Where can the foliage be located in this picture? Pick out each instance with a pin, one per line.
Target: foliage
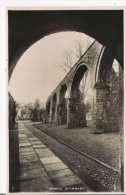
(23, 112)
(36, 105)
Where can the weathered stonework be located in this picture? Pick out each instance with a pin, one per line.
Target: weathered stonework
(106, 109)
(70, 109)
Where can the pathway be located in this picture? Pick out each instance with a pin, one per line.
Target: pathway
(40, 169)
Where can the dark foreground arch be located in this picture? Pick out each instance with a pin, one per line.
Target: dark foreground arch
(27, 27)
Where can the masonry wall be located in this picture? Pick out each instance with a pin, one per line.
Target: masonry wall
(11, 111)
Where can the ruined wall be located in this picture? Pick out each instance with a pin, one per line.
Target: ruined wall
(73, 110)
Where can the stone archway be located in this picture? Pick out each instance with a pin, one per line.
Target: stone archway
(27, 27)
(76, 108)
(106, 111)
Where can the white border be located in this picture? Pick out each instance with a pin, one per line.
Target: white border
(3, 63)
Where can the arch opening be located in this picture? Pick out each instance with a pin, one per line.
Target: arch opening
(77, 106)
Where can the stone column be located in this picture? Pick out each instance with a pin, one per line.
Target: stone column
(58, 109)
(99, 113)
(70, 113)
(14, 113)
(51, 111)
(59, 114)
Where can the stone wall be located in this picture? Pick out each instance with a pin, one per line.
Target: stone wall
(12, 110)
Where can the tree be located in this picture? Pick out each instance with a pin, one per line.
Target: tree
(67, 63)
(72, 56)
(23, 112)
(85, 82)
(37, 105)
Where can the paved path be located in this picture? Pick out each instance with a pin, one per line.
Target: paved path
(40, 169)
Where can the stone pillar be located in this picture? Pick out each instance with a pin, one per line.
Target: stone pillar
(58, 108)
(14, 113)
(71, 113)
(59, 114)
(51, 111)
(99, 113)
(55, 114)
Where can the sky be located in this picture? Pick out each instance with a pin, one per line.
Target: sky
(38, 71)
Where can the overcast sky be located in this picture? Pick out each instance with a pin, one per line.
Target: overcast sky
(37, 73)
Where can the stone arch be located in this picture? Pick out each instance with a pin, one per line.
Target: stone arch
(23, 33)
(76, 109)
(105, 65)
(78, 75)
(98, 64)
(106, 108)
(86, 89)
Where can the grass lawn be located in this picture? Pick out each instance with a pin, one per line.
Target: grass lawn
(104, 147)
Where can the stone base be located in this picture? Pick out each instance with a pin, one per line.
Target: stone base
(96, 130)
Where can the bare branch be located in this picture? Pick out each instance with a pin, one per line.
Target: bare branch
(69, 58)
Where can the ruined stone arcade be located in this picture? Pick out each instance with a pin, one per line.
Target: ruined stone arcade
(66, 104)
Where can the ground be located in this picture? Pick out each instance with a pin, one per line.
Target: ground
(104, 147)
(96, 175)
